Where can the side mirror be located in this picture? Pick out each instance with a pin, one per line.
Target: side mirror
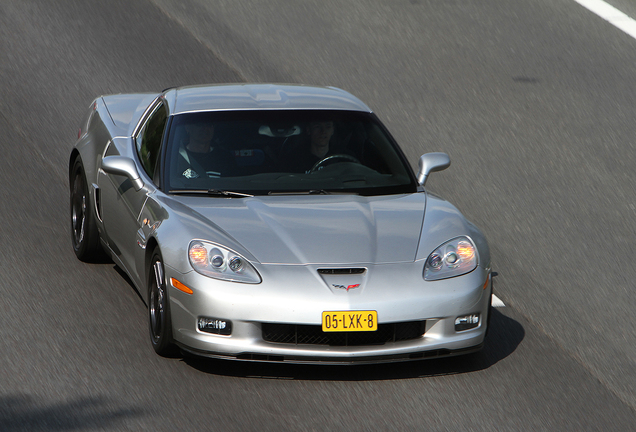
(119, 165)
(431, 162)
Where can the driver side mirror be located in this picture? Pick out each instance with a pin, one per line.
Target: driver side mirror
(431, 162)
(123, 166)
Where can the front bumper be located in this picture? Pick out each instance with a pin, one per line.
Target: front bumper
(277, 301)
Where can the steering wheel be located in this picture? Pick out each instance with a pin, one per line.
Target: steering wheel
(327, 159)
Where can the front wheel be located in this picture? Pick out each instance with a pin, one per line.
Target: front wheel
(159, 309)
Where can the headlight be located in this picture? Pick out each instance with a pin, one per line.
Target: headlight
(454, 258)
(218, 262)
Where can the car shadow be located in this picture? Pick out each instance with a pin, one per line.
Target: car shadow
(504, 337)
(123, 274)
(31, 413)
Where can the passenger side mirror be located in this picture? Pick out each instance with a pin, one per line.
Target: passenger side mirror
(119, 165)
(431, 162)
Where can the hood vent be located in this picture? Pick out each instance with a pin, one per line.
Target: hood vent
(342, 271)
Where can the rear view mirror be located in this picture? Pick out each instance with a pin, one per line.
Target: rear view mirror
(431, 162)
(119, 165)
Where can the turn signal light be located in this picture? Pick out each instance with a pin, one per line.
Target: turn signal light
(198, 254)
(487, 280)
(465, 250)
(180, 286)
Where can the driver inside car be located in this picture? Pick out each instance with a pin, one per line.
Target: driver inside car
(320, 133)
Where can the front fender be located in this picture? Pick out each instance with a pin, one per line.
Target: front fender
(443, 222)
(178, 225)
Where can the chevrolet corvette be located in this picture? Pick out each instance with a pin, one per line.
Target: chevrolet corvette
(277, 223)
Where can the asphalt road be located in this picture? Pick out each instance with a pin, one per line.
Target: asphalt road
(533, 101)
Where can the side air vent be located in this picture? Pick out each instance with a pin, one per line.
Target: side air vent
(342, 271)
(98, 202)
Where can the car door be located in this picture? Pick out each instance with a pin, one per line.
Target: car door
(123, 205)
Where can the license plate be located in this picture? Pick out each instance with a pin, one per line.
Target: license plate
(349, 321)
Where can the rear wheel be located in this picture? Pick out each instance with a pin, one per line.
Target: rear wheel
(158, 309)
(84, 234)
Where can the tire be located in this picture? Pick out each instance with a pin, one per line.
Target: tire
(488, 319)
(84, 234)
(490, 309)
(159, 322)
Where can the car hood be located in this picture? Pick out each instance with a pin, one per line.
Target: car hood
(338, 229)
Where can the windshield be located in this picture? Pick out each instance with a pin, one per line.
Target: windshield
(278, 152)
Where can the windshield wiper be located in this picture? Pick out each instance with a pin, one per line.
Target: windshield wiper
(312, 192)
(303, 192)
(217, 192)
(211, 192)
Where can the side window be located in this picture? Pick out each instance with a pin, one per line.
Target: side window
(149, 140)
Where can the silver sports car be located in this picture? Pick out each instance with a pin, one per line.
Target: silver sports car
(279, 223)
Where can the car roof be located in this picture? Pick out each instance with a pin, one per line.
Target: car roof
(261, 97)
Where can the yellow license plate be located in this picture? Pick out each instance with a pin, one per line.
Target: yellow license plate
(348, 321)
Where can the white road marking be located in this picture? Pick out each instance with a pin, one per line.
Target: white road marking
(496, 302)
(610, 14)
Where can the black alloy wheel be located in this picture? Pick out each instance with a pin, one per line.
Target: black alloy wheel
(84, 234)
(158, 309)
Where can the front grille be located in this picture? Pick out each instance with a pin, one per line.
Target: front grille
(299, 334)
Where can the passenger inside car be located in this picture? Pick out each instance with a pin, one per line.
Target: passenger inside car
(200, 155)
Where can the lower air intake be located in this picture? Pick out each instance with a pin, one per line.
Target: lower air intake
(298, 334)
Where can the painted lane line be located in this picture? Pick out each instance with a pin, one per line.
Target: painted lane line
(610, 14)
(496, 302)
